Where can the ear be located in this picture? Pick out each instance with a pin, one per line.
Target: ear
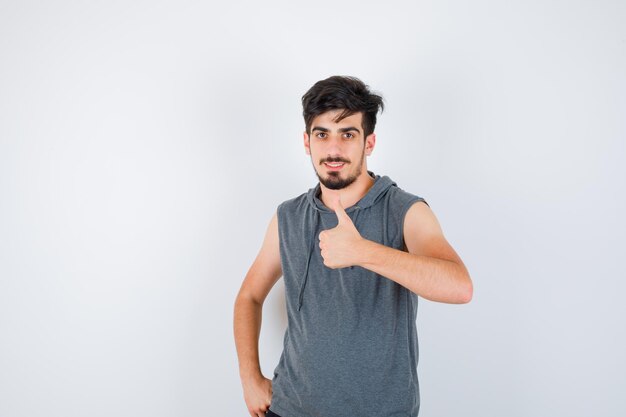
(370, 142)
(307, 147)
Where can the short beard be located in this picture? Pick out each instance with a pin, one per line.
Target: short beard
(335, 182)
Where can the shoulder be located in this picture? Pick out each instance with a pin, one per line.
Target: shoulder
(293, 205)
(403, 201)
(420, 217)
(294, 202)
(423, 233)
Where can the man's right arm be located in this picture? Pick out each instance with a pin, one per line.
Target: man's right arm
(261, 277)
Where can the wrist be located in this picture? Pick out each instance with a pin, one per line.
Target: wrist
(364, 251)
(250, 375)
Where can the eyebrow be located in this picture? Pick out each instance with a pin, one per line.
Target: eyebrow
(342, 130)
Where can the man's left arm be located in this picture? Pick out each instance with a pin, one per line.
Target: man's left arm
(431, 268)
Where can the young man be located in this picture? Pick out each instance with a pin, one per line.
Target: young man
(355, 252)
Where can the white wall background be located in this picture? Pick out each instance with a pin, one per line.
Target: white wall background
(144, 146)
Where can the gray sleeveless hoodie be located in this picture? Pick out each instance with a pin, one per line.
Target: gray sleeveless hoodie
(350, 348)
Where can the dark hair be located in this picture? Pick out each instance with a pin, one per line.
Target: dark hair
(341, 92)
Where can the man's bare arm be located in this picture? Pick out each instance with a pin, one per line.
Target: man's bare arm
(431, 268)
(261, 277)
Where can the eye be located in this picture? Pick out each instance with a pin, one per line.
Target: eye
(348, 135)
(321, 135)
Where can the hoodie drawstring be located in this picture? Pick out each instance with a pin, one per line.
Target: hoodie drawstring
(308, 259)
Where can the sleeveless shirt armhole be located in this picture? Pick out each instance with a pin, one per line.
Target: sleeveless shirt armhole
(403, 212)
(279, 210)
(279, 215)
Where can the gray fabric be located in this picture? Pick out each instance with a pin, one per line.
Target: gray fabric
(350, 348)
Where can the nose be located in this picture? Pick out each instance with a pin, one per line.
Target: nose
(334, 145)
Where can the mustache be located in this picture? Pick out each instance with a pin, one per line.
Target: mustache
(332, 160)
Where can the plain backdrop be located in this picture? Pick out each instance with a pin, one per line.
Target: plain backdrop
(145, 145)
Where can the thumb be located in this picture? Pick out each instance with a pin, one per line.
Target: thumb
(342, 216)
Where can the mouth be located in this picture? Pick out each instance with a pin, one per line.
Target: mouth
(334, 166)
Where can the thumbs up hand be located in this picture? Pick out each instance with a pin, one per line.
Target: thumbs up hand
(339, 245)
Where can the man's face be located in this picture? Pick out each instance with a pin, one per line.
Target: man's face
(338, 149)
